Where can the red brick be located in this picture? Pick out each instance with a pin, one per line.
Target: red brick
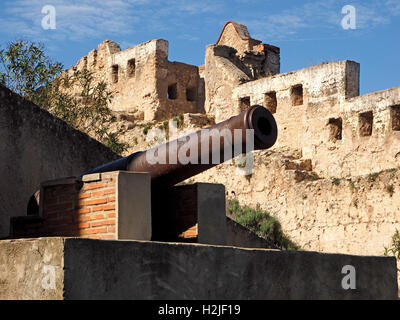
(111, 199)
(111, 215)
(63, 199)
(109, 191)
(97, 194)
(82, 210)
(91, 186)
(91, 217)
(56, 215)
(102, 223)
(84, 195)
(104, 208)
(95, 201)
(93, 230)
(190, 234)
(111, 228)
(62, 221)
(49, 194)
(64, 189)
(51, 201)
(58, 207)
(83, 225)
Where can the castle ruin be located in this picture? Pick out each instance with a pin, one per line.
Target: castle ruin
(327, 132)
(331, 179)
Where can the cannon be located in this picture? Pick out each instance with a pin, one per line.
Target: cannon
(252, 129)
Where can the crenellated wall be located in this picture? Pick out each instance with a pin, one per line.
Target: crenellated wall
(344, 134)
(140, 77)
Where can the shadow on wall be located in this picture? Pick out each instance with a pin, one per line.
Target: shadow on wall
(36, 146)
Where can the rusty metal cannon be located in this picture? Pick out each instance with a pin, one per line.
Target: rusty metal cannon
(252, 129)
(176, 209)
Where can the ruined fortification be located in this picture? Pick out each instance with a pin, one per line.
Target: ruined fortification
(331, 178)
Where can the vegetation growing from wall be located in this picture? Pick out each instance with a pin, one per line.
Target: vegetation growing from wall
(26, 70)
(261, 223)
(394, 248)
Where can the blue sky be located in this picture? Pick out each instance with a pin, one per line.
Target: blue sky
(308, 32)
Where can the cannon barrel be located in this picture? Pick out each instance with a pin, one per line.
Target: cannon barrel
(205, 148)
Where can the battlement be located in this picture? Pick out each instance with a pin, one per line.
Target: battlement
(331, 179)
(145, 84)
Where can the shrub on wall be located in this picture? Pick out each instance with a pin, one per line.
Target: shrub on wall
(394, 248)
(261, 223)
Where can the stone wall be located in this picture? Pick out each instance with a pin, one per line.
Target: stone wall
(298, 99)
(355, 215)
(141, 78)
(223, 73)
(319, 112)
(75, 269)
(237, 36)
(34, 147)
(182, 96)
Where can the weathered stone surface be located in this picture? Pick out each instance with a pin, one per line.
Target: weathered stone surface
(237, 36)
(27, 268)
(353, 216)
(98, 269)
(140, 76)
(321, 138)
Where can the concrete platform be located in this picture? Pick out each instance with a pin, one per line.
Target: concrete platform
(76, 268)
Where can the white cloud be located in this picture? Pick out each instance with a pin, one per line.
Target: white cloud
(74, 19)
(370, 16)
(83, 19)
(321, 16)
(79, 20)
(394, 7)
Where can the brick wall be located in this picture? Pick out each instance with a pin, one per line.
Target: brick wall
(119, 205)
(190, 234)
(70, 207)
(174, 214)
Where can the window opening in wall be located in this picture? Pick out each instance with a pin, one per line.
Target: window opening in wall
(395, 117)
(270, 101)
(335, 129)
(172, 91)
(244, 103)
(366, 122)
(131, 68)
(114, 73)
(297, 95)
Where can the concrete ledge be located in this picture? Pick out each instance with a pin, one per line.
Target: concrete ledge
(239, 236)
(98, 269)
